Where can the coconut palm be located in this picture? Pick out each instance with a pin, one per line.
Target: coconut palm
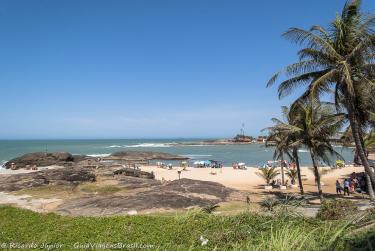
(338, 60)
(313, 124)
(268, 174)
(369, 140)
(292, 174)
(279, 142)
(284, 140)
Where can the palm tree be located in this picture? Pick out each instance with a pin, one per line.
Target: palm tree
(292, 174)
(268, 174)
(338, 60)
(284, 139)
(369, 140)
(279, 142)
(313, 125)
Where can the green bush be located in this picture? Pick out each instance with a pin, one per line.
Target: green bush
(269, 203)
(336, 209)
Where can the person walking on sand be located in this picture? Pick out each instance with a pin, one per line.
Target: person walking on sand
(352, 186)
(346, 187)
(338, 187)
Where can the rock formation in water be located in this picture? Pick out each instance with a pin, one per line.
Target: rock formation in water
(39, 159)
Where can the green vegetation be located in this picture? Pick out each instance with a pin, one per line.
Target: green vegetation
(247, 231)
(337, 209)
(268, 174)
(336, 60)
(47, 192)
(292, 175)
(310, 124)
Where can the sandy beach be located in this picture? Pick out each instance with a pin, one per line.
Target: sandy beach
(248, 180)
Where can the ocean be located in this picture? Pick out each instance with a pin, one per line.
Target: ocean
(252, 154)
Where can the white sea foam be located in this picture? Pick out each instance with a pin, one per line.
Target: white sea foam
(2, 164)
(303, 151)
(192, 156)
(143, 145)
(99, 155)
(150, 145)
(196, 145)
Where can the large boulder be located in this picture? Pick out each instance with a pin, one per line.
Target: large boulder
(40, 159)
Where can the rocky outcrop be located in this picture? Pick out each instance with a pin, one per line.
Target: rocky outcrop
(40, 159)
(59, 176)
(143, 156)
(134, 173)
(177, 194)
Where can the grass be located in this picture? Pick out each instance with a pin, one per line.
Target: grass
(247, 231)
(47, 191)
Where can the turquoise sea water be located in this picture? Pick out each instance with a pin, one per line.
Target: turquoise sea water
(252, 155)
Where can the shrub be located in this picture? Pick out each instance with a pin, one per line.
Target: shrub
(268, 174)
(269, 203)
(336, 209)
(210, 208)
(292, 174)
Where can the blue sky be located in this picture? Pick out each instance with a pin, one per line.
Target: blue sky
(146, 69)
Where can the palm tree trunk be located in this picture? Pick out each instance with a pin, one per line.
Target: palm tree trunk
(356, 160)
(358, 140)
(296, 159)
(282, 170)
(317, 175)
(370, 189)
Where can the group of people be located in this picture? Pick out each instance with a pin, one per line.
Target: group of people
(278, 183)
(356, 183)
(241, 166)
(163, 165)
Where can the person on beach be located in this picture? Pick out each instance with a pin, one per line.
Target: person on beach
(273, 183)
(352, 185)
(346, 187)
(338, 187)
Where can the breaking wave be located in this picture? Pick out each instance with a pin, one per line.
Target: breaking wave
(196, 156)
(99, 155)
(143, 145)
(303, 151)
